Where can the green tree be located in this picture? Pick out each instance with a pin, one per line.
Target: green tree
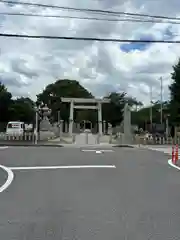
(113, 112)
(133, 102)
(63, 88)
(142, 116)
(22, 109)
(5, 102)
(175, 93)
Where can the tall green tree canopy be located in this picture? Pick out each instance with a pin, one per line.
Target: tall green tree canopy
(133, 102)
(175, 93)
(5, 102)
(63, 88)
(113, 112)
(22, 109)
(70, 88)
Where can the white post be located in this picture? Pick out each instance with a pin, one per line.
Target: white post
(71, 118)
(100, 118)
(86, 138)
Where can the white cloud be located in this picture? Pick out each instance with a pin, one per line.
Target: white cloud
(28, 65)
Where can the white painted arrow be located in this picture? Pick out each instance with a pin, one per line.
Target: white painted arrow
(97, 151)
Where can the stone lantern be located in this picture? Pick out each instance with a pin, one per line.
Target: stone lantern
(45, 112)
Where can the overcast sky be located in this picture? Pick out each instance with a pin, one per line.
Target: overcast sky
(28, 65)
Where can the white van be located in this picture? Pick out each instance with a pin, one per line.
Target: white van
(15, 128)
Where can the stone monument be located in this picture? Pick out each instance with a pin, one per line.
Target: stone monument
(127, 125)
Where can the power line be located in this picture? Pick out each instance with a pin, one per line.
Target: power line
(88, 18)
(97, 11)
(85, 39)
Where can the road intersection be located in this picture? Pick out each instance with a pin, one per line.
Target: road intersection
(64, 193)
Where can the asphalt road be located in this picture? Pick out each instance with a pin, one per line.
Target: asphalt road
(137, 200)
(3, 176)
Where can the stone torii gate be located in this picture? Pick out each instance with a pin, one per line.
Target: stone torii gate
(98, 105)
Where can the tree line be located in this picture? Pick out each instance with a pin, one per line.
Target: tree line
(23, 109)
(14, 109)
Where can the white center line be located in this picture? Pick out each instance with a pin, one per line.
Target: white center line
(61, 167)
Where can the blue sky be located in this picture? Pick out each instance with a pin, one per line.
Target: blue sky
(129, 47)
(106, 67)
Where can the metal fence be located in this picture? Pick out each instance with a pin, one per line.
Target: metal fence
(30, 137)
(17, 137)
(156, 140)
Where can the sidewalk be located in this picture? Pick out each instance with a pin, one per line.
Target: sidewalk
(160, 148)
(167, 149)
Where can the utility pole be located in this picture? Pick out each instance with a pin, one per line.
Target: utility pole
(161, 100)
(151, 107)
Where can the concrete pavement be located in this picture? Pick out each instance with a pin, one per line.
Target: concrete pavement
(137, 200)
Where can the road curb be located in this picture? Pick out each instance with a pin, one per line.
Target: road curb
(29, 145)
(123, 145)
(17, 144)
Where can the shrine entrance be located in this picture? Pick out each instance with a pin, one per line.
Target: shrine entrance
(86, 124)
(81, 105)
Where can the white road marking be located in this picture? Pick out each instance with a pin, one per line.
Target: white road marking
(9, 179)
(88, 150)
(62, 167)
(5, 147)
(172, 164)
(107, 150)
(96, 151)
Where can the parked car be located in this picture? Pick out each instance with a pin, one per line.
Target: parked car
(15, 128)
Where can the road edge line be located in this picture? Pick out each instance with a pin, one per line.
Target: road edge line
(172, 164)
(9, 178)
